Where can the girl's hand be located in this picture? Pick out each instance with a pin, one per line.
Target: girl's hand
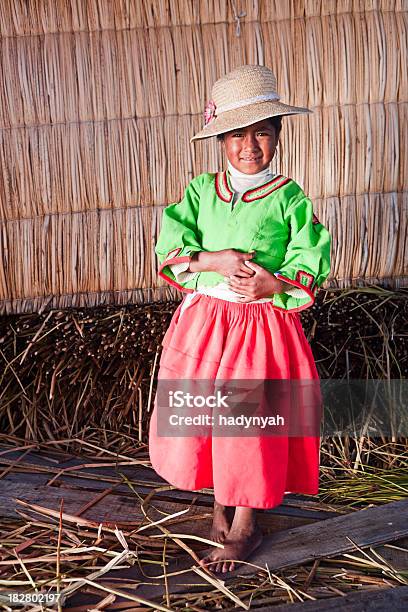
(227, 262)
(261, 284)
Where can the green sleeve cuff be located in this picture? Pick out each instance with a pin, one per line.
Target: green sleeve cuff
(302, 281)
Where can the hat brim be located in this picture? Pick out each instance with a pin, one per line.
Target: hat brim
(247, 115)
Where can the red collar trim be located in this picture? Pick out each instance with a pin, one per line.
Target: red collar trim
(264, 190)
(222, 187)
(225, 193)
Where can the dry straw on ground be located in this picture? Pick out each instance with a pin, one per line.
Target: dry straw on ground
(55, 550)
(101, 99)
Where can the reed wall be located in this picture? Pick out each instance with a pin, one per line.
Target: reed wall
(98, 101)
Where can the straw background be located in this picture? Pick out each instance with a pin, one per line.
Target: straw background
(98, 101)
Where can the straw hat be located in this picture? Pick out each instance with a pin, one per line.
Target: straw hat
(242, 97)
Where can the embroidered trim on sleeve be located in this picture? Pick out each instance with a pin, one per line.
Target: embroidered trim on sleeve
(169, 262)
(304, 278)
(300, 286)
(173, 253)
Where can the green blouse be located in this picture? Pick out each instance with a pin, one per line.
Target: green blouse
(276, 220)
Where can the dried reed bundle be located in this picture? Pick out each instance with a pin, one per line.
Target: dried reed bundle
(63, 371)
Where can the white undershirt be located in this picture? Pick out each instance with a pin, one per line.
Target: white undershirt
(241, 182)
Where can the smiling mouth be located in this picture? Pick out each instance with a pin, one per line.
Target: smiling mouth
(251, 159)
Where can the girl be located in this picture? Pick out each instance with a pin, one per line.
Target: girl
(246, 248)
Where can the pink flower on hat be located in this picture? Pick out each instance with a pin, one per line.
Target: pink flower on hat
(209, 112)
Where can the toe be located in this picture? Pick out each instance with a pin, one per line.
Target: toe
(232, 566)
(204, 561)
(210, 564)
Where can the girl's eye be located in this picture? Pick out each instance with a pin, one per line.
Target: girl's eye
(241, 134)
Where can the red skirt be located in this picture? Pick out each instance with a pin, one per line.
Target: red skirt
(216, 339)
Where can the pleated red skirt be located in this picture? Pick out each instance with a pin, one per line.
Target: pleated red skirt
(216, 339)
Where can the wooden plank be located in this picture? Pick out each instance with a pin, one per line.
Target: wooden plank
(367, 600)
(396, 554)
(117, 507)
(293, 513)
(393, 599)
(50, 497)
(122, 508)
(146, 479)
(369, 527)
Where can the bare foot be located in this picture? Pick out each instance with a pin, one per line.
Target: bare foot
(222, 520)
(243, 538)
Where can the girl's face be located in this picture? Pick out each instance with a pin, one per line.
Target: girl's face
(251, 149)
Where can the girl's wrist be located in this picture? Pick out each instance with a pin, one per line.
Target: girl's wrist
(199, 261)
(285, 286)
(278, 285)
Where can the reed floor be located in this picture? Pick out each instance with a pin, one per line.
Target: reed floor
(123, 494)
